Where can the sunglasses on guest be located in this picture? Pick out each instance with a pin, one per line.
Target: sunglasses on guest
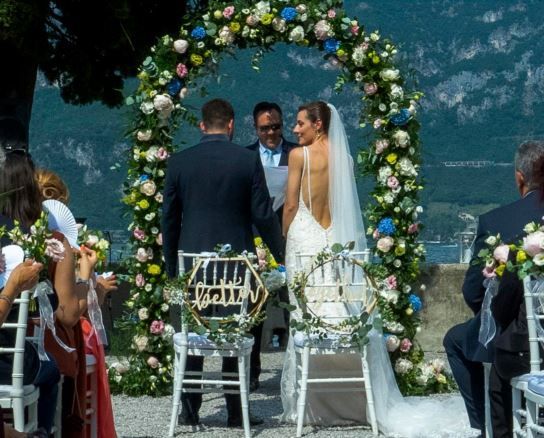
(266, 128)
(17, 151)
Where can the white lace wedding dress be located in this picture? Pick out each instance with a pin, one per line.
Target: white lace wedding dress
(411, 417)
(306, 235)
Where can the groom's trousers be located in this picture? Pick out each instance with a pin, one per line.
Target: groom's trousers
(468, 374)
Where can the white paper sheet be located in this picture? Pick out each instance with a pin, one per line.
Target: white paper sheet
(276, 180)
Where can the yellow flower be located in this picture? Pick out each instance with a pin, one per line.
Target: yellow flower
(340, 52)
(234, 27)
(143, 75)
(143, 204)
(258, 241)
(391, 158)
(196, 59)
(441, 378)
(273, 264)
(154, 269)
(400, 250)
(207, 53)
(409, 311)
(217, 14)
(267, 19)
(521, 256)
(376, 59)
(500, 269)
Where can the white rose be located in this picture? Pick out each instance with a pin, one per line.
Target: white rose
(374, 36)
(183, 93)
(301, 9)
(389, 74)
(181, 46)
(359, 76)
(163, 102)
(385, 244)
(151, 154)
(226, 35)
(491, 240)
(384, 173)
(143, 313)
(103, 244)
(402, 366)
(392, 343)
(159, 197)
(401, 138)
(397, 92)
(144, 135)
(148, 287)
(358, 56)
(539, 259)
(279, 24)
(391, 296)
(397, 263)
(148, 188)
(141, 256)
(303, 17)
(164, 307)
(92, 240)
(389, 198)
(406, 167)
(147, 107)
(140, 342)
(297, 34)
(261, 9)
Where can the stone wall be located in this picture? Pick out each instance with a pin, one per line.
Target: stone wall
(443, 306)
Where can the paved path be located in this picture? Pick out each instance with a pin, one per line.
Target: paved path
(144, 417)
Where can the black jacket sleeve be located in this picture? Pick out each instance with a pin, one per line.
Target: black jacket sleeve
(506, 304)
(262, 215)
(172, 211)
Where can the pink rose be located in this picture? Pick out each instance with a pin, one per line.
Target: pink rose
(354, 30)
(385, 243)
(162, 154)
(261, 254)
(262, 264)
(381, 145)
(392, 343)
(323, 30)
(392, 182)
(391, 282)
(489, 272)
(139, 280)
(153, 362)
(182, 70)
(252, 20)
(405, 345)
(138, 233)
(370, 88)
(413, 228)
(533, 243)
(501, 253)
(377, 123)
(54, 249)
(157, 327)
(375, 234)
(331, 13)
(158, 239)
(228, 12)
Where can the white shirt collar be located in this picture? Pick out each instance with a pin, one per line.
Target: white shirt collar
(278, 149)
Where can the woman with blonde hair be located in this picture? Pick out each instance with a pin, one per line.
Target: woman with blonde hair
(52, 186)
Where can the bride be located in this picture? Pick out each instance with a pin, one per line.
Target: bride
(322, 208)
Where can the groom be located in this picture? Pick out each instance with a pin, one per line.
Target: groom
(213, 193)
(465, 353)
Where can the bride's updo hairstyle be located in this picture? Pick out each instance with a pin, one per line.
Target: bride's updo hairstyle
(318, 110)
(52, 186)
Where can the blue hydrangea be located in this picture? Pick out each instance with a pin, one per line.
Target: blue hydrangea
(144, 178)
(401, 118)
(174, 87)
(415, 302)
(198, 33)
(331, 45)
(288, 13)
(281, 268)
(386, 226)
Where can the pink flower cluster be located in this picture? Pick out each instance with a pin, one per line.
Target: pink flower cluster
(54, 249)
(405, 345)
(157, 327)
(228, 12)
(182, 70)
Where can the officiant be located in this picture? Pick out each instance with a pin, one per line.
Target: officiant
(274, 150)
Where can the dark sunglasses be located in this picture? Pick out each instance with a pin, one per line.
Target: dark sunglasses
(266, 128)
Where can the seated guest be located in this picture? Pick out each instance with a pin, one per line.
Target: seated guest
(69, 301)
(512, 341)
(53, 187)
(465, 353)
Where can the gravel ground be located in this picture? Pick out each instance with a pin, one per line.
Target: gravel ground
(144, 417)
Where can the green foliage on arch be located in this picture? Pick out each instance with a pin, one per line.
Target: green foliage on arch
(393, 158)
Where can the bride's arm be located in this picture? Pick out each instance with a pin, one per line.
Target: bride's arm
(296, 162)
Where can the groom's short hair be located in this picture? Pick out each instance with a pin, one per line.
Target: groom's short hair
(217, 113)
(527, 154)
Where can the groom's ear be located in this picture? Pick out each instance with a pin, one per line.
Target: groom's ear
(520, 183)
(202, 126)
(231, 126)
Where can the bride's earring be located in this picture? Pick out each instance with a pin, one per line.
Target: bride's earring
(317, 135)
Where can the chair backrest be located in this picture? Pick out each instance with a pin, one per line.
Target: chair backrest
(222, 286)
(533, 291)
(340, 282)
(18, 350)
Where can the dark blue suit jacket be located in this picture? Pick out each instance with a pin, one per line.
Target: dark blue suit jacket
(213, 193)
(508, 221)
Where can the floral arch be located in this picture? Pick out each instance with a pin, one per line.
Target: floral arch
(392, 158)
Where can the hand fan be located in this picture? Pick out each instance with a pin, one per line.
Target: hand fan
(61, 219)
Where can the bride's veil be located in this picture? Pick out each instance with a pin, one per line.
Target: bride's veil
(347, 221)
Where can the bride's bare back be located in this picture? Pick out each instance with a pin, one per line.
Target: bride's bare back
(316, 177)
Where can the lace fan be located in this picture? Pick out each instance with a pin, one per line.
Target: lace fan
(61, 219)
(14, 255)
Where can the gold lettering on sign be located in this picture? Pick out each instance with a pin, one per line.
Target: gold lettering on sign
(224, 293)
